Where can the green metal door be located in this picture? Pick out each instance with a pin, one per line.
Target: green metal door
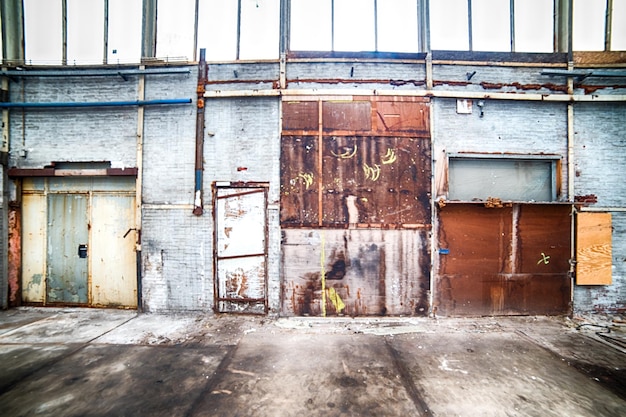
(68, 235)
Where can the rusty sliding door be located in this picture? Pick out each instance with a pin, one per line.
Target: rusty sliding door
(240, 248)
(503, 261)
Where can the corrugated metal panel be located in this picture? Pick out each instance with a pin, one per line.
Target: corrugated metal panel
(113, 260)
(511, 260)
(34, 226)
(67, 229)
(365, 180)
(355, 272)
(241, 249)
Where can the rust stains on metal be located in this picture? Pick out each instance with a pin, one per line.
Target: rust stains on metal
(514, 260)
(14, 257)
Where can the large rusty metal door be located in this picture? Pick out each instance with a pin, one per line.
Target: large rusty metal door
(503, 261)
(68, 236)
(240, 249)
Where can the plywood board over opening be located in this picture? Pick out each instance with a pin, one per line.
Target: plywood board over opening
(593, 249)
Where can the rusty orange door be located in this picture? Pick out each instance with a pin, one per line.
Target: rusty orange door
(503, 261)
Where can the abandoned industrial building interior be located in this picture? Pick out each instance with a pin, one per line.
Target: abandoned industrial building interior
(314, 157)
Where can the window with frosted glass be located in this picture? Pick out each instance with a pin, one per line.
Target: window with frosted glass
(124, 45)
(175, 29)
(85, 32)
(43, 37)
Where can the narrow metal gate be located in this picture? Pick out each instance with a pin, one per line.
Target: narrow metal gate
(240, 248)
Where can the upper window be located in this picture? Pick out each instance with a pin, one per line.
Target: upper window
(491, 25)
(331, 25)
(599, 25)
(244, 29)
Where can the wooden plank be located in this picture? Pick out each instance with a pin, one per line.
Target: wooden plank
(593, 249)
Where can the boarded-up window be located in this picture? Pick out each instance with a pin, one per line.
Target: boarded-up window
(593, 249)
(510, 179)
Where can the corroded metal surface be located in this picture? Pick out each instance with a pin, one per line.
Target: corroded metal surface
(509, 260)
(355, 272)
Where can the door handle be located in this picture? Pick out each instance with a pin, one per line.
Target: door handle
(82, 250)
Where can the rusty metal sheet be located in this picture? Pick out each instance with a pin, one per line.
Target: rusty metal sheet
(402, 116)
(299, 170)
(348, 115)
(376, 181)
(355, 272)
(241, 249)
(494, 261)
(300, 115)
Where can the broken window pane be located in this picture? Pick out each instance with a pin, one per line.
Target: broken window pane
(448, 25)
(397, 26)
(260, 29)
(491, 25)
(588, 26)
(43, 35)
(618, 31)
(534, 26)
(85, 32)
(311, 25)
(354, 25)
(507, 179)
(217, 29)
(175, 29)
(124, 31)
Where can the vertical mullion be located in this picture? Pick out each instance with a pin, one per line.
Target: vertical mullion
(469, 25)
(106, 32)
(195, 31)
(376, 25)
(238, 29)
(512, 25)
(332, 25)
(64, 32)
(608, 25)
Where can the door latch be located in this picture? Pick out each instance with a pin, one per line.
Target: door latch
(82, 250)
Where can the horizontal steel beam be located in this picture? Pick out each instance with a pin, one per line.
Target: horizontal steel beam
(567, 98)
(104, 72)
(95, 103)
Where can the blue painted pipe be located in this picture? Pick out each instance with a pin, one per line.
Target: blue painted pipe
(97, 103)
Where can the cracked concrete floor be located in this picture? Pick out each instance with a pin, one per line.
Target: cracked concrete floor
(89, 362)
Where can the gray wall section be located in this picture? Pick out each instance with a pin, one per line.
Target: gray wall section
(509, 127)
(600, 155)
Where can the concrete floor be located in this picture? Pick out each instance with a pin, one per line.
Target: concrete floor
(87, 362)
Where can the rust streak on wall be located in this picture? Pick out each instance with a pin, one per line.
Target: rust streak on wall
(15, 254)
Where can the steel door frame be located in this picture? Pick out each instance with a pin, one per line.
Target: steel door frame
(259, 187)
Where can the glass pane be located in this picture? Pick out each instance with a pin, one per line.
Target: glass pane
(311, 25)
(175, 29)
(589, 20)
(124, 31)
(354, 25)
(397, 25)
(43, 32)
(260, 29)
(448, 25)
(491, 25)
(618, 32)
(85, 32)
(217, 29)
(534, 26)
(506, 179)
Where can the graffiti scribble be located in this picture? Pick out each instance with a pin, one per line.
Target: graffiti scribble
(390, 157)
(371, 172)
(306, 178)
(347, 154)
(544, 258)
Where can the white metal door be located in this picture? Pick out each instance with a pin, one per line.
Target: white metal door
(241, 249)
